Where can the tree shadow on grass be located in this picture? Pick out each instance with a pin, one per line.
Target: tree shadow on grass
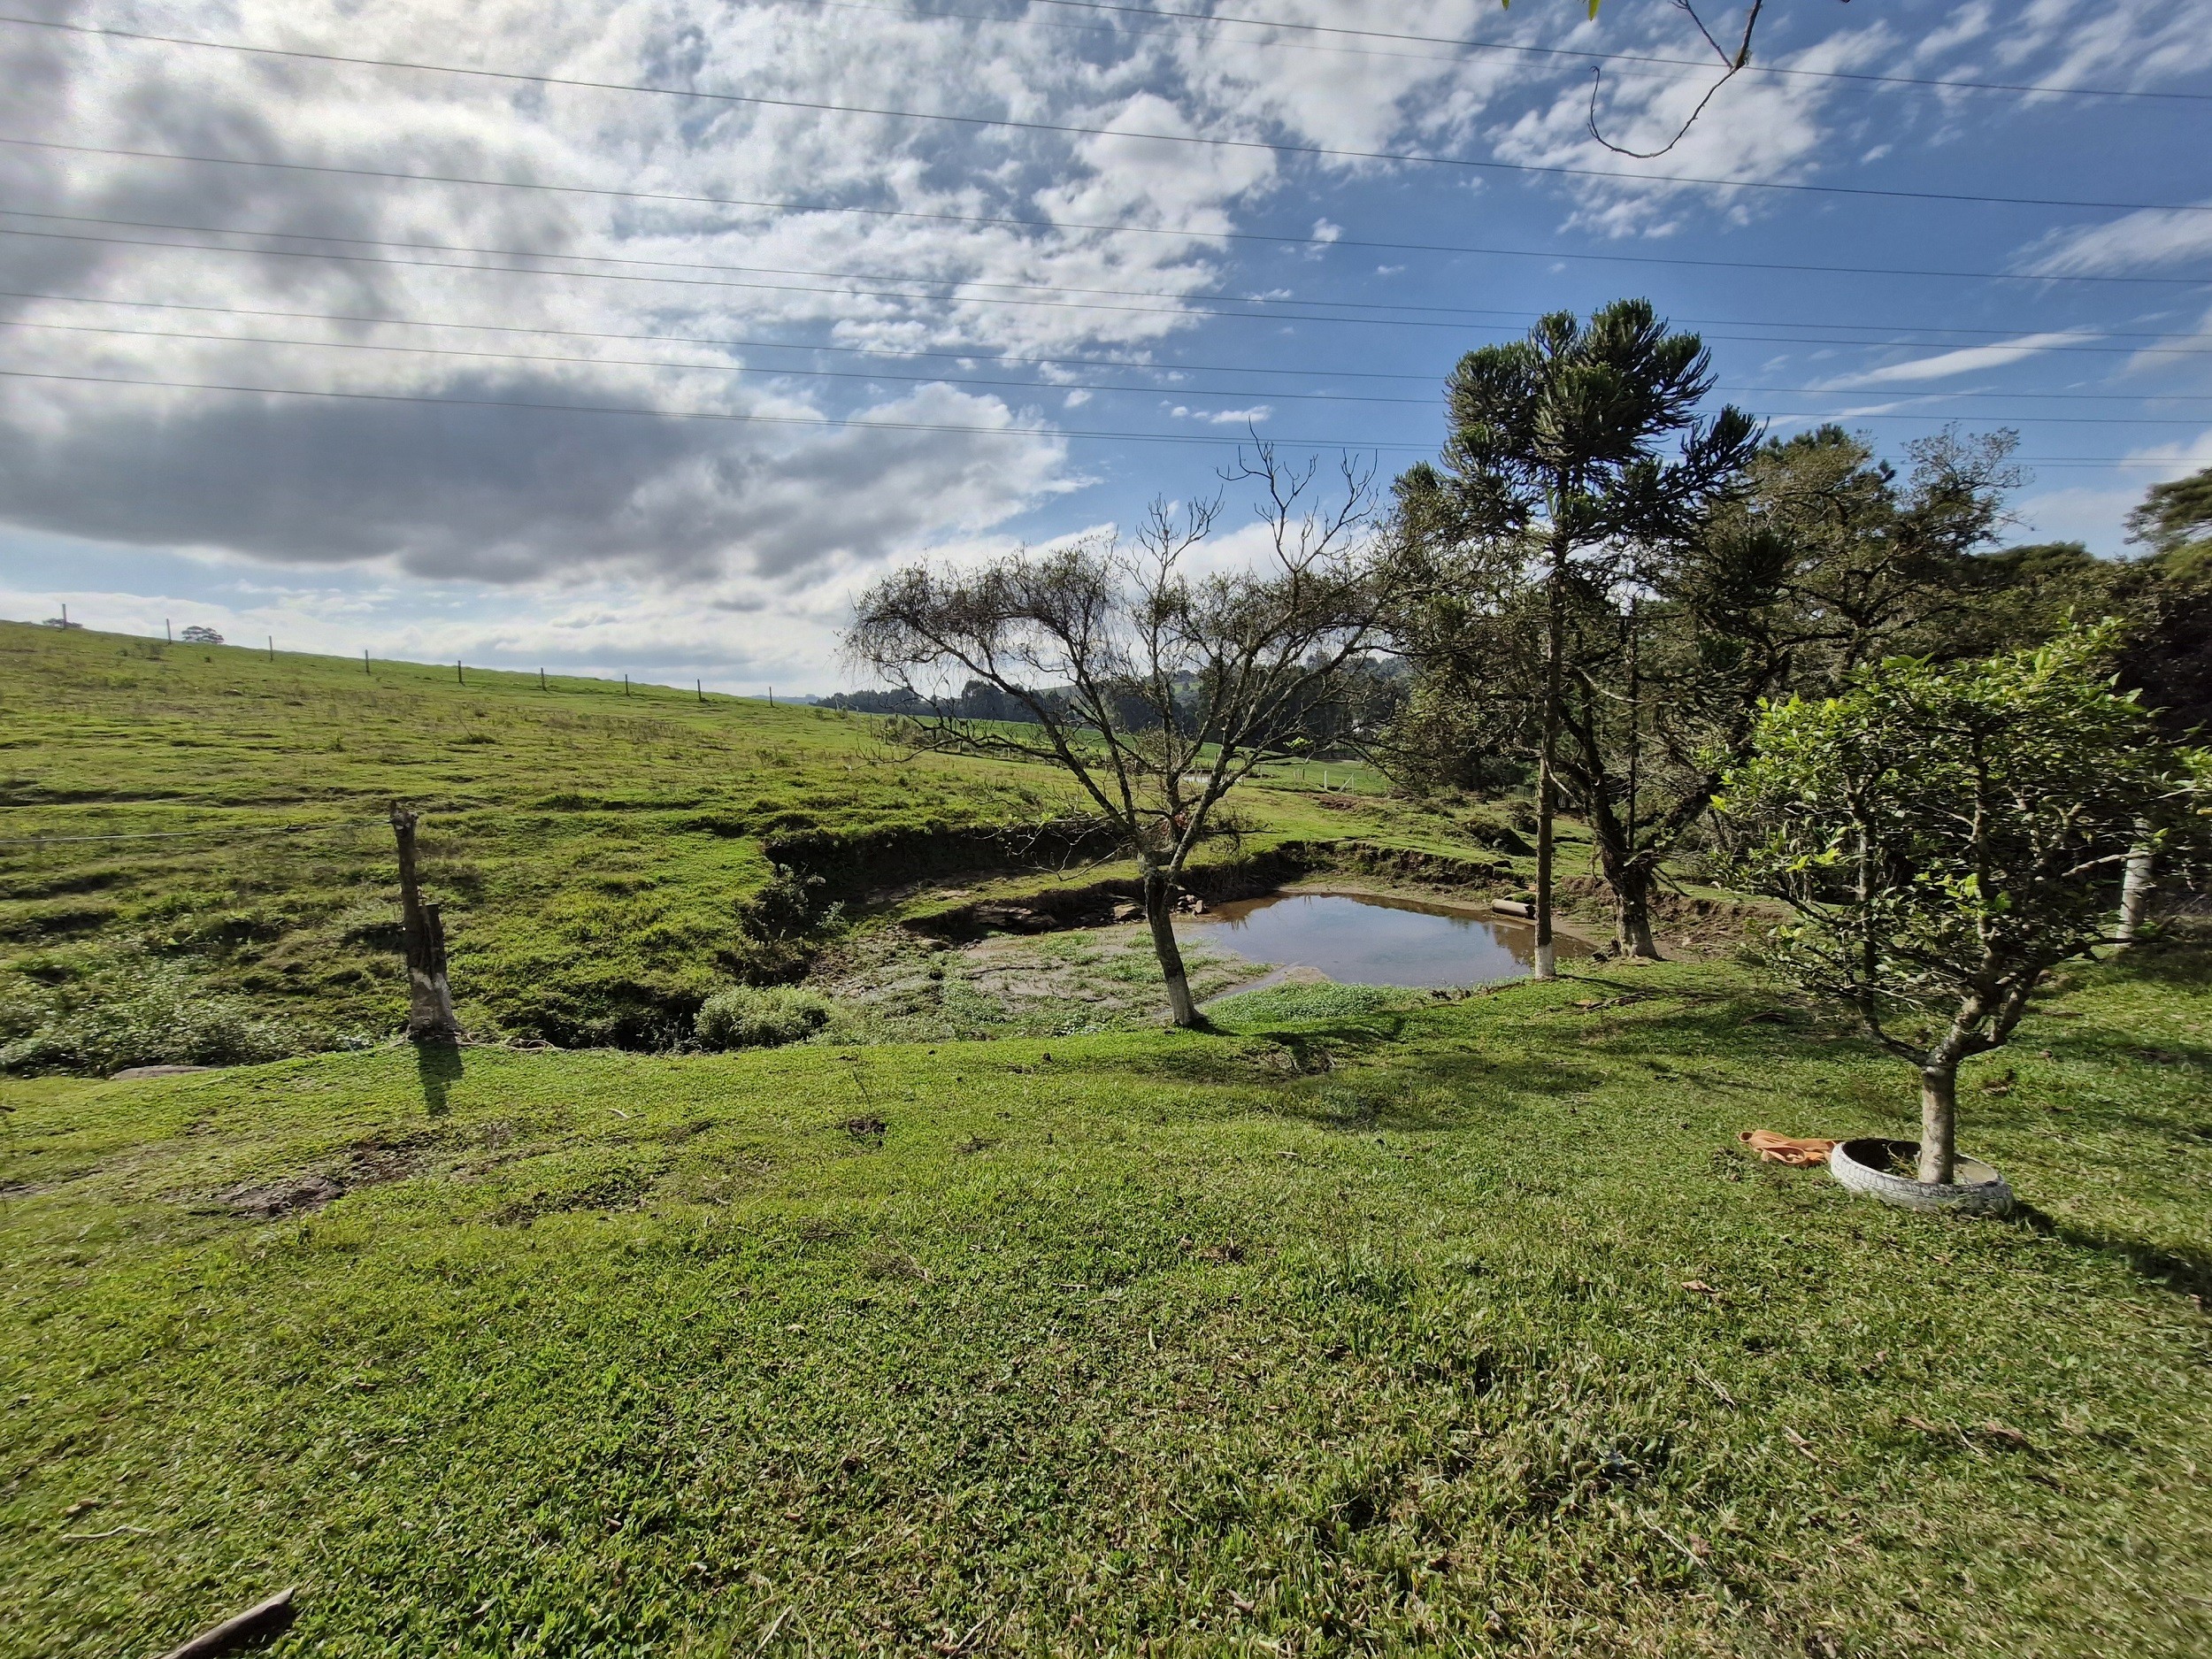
(437, 1067)
(2187, 1272)
(1429, 1092)
(2165, 961)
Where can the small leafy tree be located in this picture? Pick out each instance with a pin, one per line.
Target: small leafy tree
(1945, 836)
(1157, 689)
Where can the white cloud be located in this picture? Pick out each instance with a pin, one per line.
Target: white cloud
(1251, 416)
(2091, 513)
(1967, 360)
(2146, 241)
(757, 512)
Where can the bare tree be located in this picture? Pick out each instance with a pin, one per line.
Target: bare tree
(1155, 689)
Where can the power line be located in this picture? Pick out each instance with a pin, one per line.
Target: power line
(1623, 57)
(1275, 315)
(966, 354)
(1010, 221)
(1032, 386)
(826, 422)
(1177, 299)
(1006, 124)
(964, 357)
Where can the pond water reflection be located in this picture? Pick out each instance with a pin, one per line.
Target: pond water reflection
(1366, 940)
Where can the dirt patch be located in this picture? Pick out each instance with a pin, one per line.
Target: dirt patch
(292, 1196)
(369, 1164)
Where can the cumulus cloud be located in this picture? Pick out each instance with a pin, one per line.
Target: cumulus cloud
(773, 486)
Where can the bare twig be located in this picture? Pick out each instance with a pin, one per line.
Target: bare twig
(1734, 64)
(257, 1622)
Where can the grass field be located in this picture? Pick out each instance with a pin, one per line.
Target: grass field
(1373, 1324)
(591, 847)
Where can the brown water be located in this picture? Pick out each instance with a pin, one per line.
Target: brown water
(1370, 940)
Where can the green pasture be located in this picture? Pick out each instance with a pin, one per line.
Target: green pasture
(182, 823)
(1372, 1323)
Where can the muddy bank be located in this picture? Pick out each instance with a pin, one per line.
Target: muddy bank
(893, 985)
(1112, 900)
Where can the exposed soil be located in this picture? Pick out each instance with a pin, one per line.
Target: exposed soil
(369, 1163)
(894, 983)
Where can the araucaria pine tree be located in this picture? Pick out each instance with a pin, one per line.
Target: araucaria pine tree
(1558, 463)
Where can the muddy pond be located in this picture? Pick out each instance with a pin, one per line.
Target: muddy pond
(1368, 940)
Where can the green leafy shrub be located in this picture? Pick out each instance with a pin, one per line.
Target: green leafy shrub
(752, 1017)
(156, 1017)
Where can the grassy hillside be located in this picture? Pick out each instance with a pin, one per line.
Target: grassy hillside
(181, 821)
(1376, 1325)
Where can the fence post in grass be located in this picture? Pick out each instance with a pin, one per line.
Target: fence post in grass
(168, 632)
(459, 678)
(540, 680)
(429, 997)
(272, 647)
(700, 686)
(626, 685)
(364, 663)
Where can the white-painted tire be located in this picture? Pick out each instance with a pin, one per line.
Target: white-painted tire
(1976, 1188)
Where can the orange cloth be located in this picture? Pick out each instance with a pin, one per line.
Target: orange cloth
(1785, 1148)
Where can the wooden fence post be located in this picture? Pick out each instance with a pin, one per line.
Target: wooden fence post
(429, 997)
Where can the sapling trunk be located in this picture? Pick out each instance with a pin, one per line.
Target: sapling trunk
(1938, 1120)
(1546, 965)
(1159, 914)
(1546, 764)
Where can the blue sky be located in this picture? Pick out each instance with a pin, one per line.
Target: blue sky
(866, 336)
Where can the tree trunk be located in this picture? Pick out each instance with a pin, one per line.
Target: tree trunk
(1938, 1120)
(2135, 894)
(1632, 911)
(1546, 777)
(1159, 900)
(429, 997)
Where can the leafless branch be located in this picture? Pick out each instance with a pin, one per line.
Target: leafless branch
(1733, 63)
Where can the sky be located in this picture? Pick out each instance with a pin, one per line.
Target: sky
(638, 338)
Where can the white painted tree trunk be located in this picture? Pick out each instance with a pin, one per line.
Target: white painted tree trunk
(2135, 894)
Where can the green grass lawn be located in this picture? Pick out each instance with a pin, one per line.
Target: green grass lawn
(195, 846)
(1372, 1323)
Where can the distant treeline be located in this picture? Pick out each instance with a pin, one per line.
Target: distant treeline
(976, 701)
(1370, 692)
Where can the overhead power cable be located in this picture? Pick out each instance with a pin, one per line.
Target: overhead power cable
(1275, 311)
(1582, 54)
(1162, 392)
(1271, 303)
(823, 422)
(1071, 129)
(678, 199)
(897, 355)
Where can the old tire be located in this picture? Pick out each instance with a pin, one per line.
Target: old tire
(1863, 1166)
